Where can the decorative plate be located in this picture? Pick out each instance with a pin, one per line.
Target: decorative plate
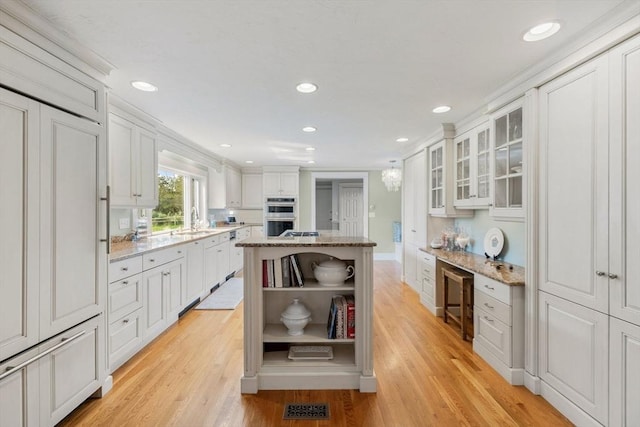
(493, 242)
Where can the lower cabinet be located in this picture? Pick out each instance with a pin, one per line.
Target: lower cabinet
(410, 264)
(427, 276)
(161, 295)
(624, 373)
(64, 371)
(195, 271)
(498, 326)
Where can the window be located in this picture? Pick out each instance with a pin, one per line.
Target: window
(181, 203)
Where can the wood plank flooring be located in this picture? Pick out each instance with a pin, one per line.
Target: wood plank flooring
(427, 376)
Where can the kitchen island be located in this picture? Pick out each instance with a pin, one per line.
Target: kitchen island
(268, 362)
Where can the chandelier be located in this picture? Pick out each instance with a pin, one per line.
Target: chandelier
(392, 177)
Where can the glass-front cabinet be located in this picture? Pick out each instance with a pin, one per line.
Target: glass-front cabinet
(472, 161)
(441, 181)
(437, 199)
(508, 194)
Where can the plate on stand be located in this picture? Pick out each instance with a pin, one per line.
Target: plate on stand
(493, 242)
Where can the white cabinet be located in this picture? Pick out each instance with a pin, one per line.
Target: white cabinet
(133, 164)
(589, 160)
(162, 288)
(216, 256)
(280, 183)
(195, 271)
(414, 214)
(472, 163)
(252, 191)
(225, 188)
(257, 231)
(441, 181)
(624, 373)
(507, 130)
(20, 392)
(427, 275)
(498, 325)
(236, 254)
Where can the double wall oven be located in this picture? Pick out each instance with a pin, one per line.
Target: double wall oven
(279, 215)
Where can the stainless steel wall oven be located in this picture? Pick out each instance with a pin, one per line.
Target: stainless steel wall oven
(279, 215)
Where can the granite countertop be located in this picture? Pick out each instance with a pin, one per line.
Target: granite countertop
(481, 265)
(128, 249)
(327, 240)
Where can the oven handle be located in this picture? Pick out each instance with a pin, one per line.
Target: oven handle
(280, 219)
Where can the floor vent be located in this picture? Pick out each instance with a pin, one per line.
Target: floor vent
(306, 411)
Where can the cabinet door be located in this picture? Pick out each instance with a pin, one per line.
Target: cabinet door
(19, 123)
(154, 312)
(72, 373)
(147, 170)
(122, 156)
(481, 167)
(572, 354)
(624, 170)
(271, 183)
(173, 279)
(624, 374)
(462, 161)
(195, 271)
(410, 266)
(289, 183)
(252, 191)
(20, 393)
(233, 188)
(211, 267)
(72, 258)
(408, 189)
(217, 189)
(437, 179)
(223, 261)
(573, 208)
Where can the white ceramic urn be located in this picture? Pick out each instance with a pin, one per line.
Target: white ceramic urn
(295, 317)
(332, 272)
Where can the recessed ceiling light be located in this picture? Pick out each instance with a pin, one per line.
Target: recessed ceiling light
(441, 109)
(144, 86)
(309, 129)
(306, 87)
(310, 162)
(248, 161)
(310, 149)
(542, 31)
(402, 139)
(225, 145)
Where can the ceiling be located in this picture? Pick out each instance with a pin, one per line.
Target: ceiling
(227, 69)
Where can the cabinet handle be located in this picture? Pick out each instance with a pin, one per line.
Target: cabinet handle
(125, 282)
(13, 369)
(488, 306)
(613, 276)
(489, 287)
(196, 243)
(487, 319)
(107, 199)
(152, 260)
(413, 231)
(124, 268)
(179, 252)
(125, 321)
(600, 273)
(167, 274)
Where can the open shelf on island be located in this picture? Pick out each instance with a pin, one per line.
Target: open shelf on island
(313, 285)
(343, 357)
(313, 333)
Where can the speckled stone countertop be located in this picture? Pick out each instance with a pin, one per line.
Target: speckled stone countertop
(322, 240)
(128, 249)
(481, 265)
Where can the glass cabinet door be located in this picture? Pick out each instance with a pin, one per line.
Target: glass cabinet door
(508, 160)
(483, 165)
(437, 178)
(463, 171)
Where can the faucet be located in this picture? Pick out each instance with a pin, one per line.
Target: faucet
(195, 218)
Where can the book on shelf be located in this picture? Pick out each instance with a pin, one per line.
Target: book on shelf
(297, 270)
(331, 321)
(286, 272)
(277, 273)
(265, 273)
(351, 316)
(342, 320)
(283, 272)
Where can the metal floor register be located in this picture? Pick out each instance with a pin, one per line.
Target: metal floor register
(306, 411)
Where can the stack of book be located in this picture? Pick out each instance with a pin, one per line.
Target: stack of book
(342, 317)
(284, 272)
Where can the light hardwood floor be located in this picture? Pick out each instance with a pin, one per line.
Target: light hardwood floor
(427, 376)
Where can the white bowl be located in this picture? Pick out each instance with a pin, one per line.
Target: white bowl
(295, 317)
(332, 272)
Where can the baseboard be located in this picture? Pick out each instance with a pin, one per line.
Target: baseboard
(567, 407)
(106, 387)
(514, 376)
(384, 256)
(532, 383)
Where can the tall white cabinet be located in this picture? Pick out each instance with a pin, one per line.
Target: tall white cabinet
(589, 277)
(414, 215)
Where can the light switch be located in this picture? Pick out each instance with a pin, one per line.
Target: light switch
(124, 223)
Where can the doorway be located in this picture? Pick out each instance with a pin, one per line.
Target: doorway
(325, 202)
(350, 209)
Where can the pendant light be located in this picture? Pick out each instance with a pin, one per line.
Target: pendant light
(392, 177)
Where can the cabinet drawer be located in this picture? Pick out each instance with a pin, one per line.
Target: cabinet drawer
(492, 306)
(125, 296)
(118, 270)
(224, 237)
(493, 334)
(125, 338)
(427, 286)
(497, 290)
(211, 241)
(163, 256)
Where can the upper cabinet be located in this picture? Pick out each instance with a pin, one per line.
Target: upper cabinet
(280, 182)
(252, 191)
(508, 166)
(133, 164)
(441, 181)
(225, 188)
(472, 163)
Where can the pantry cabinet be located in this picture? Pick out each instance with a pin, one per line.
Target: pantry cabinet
(414, 215)
(624, 373)
(472, 163)
(589, 217)
(133, 164)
